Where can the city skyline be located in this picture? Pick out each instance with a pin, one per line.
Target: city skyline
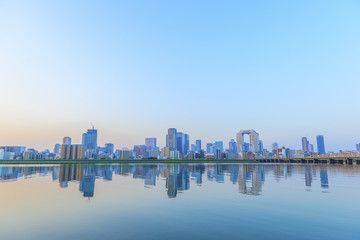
(210, 68)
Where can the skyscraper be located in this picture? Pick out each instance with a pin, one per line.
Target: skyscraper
(171, 138)
(198, 145)
(305, 144)
(261, 146)
(57, 149)
(67, 140)
(89, 140)
(358, 147)
(254, 140)
(232, 146)
(320, 144)
(219, 145)
(109, 148)
(187, 143)
(275, 146)
(151, 143)
(180, 142)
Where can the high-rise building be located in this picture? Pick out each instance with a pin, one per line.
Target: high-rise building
(311, 147)
(254, 140)
(219, 145)
(140, 150)
(151, 143)
(57, 149)
(209, 148)
(193, 148)
(109, 148)
(358, 147)
(261, 146)
(171, 138)
(320, 144)
(275, 146)
(198, 145)
(305, 144)
(187, 143)
(232, 146)
(67, 140)
(180, 142)
(89, 140)
(74, 151)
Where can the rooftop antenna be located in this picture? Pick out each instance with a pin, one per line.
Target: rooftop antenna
(92, 125)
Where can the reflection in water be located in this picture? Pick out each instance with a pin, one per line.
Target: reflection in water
(249, 177)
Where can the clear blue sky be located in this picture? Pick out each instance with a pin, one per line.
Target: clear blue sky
(287, 69)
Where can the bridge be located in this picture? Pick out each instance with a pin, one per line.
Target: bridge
(317, 160)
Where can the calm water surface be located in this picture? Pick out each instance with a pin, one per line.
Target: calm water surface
(179, 201)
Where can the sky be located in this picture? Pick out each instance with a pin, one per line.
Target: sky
(286, 69)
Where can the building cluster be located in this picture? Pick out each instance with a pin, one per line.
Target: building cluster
(247, 145)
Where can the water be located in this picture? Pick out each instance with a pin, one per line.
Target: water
(179, 201)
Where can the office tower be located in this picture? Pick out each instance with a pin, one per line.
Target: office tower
(89, 140)
(171, 138)
(193, 148)
(261, 146)
(30, 153)
(151, 143)
(198, 145)
(305, 144)
(219, 145)
(232, 146)
(218, 153)
(140, 150)
(209, 148)
(67, 140)
(311, 148)
(57, 148)
(180, 142)
(125, 154)
(275, 146)
(358, 147)
(254, 140)
(320, 144)
(187, 143)
(109, 148)
(74, 151)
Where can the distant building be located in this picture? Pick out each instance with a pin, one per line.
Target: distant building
(30, 153)
(275, 146)
(232, 146)
(57, 149)
(151, 143)
(358, 147)
(74, 151)
(125, 154)
(67, 140)
(109, 148)
(209, 148)
(89, 140)
(193, 148)
(320, 144)
(305, 144)
(253, 137)
(261, 146)
(171, 138)
(140, 151)
(198, 145)
(311, 148)
(219, 145)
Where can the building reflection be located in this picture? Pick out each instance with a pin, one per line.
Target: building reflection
(250, 178)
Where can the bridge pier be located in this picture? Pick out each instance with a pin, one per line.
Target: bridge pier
(349, 161)
(332, 161)
(357, 162)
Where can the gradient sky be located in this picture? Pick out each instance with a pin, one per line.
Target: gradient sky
(287, 69)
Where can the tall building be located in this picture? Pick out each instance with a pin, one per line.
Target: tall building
(67, 140)
(193, 148)
(140, 150)
(57, 149)
(358, 147)
(209, 148)
(74, 151)
(89, 139)
(171, 138)
(151, 143)
(109, 148)
(219, 145)
(311, 148)
(320, 144)
(305, 144)
(232, 146)
(275, 146)
(198, 145)
(187, 143)
(180, 142)
(254, 140)
(261, 146)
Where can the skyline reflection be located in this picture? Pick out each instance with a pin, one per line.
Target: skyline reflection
(250, 178)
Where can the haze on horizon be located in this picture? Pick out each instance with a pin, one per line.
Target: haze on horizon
(286, 69)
